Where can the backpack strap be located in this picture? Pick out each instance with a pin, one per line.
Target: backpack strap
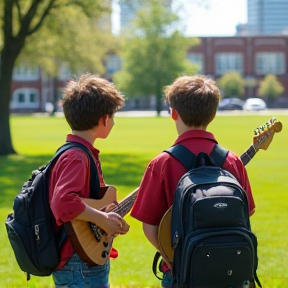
(94, 178)
(183, 155)
(188, 158)
(219, 155)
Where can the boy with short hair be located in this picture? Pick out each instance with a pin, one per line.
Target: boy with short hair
(194, 102)
(89, 107)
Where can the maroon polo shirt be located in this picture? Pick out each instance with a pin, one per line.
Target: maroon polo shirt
(156, 192)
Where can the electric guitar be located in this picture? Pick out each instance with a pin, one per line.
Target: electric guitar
(90, 242)
(262, 139)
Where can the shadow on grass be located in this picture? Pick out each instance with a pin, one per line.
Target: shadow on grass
(118, 169)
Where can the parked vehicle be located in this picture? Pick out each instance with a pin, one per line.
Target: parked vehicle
(252, 104)
(231, 104)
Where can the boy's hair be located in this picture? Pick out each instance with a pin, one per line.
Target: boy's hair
(195, 98)
(85, 101)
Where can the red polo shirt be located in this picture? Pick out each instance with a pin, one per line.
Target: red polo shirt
(156, 192)
(69, 180)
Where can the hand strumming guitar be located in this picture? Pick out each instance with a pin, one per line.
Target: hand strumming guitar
(116, 225)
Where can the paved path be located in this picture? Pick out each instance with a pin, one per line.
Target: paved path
(270, 112)
(140, 113)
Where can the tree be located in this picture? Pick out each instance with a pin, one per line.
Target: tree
(270, 88)
(153, 53)
(44, 23)
(232, 84)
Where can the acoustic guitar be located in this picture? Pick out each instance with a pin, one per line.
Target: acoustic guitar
(262, 139)
(90, 242)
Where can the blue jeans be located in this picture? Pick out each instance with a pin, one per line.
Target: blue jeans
(76, 274)
(167, 281)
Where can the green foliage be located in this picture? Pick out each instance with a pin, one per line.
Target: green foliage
(154, 52)
(74, 34)
(270, 88)
(123, 165)
(232, 84)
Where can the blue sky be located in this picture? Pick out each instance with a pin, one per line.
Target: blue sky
(219, 19)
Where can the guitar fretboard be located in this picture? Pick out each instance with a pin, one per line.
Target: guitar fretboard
(126, 204)
(248, 154)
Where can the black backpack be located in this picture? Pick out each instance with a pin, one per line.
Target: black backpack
(31, 226)
(210, 227)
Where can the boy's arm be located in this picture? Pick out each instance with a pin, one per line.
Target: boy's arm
(151, 233)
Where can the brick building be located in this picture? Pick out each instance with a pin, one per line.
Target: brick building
(252, 56)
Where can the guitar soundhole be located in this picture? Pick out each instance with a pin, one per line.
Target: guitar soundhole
(95, 230)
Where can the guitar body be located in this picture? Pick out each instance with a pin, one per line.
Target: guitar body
(90, 242)
(164, 233)
(93, 245)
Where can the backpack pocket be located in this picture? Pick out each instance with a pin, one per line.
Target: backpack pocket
(23, 246)
(217, 259)
(22, 255)
(48, 253)
(218, 211)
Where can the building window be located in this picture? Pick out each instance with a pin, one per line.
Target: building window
(25, 73)
(21, 97)
(32, 97)
(25, 98)
(113, 64)
(270, 63)
(198, 59)
(227, 62)
(64, 72)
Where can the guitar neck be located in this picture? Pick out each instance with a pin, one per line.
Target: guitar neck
(248, 155)
(126, 204)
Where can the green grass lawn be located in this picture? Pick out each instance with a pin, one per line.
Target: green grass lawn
(124, 155)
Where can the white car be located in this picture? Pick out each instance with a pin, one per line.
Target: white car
(254, 104)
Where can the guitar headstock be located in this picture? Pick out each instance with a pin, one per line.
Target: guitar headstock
(264, 133)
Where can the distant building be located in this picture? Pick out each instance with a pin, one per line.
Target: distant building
(128, 10)
(252, 56)
(267, 17)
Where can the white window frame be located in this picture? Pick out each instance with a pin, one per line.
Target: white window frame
(228, 61)
(26, 104)
(270, 63)
(24, 73)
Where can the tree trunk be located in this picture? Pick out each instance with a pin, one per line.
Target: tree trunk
(6, 70)
(6, 146)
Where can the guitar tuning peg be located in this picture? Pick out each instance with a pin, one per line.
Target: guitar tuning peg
(256, 132)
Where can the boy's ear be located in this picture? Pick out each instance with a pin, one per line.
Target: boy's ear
(174, 114)
(105, 119)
